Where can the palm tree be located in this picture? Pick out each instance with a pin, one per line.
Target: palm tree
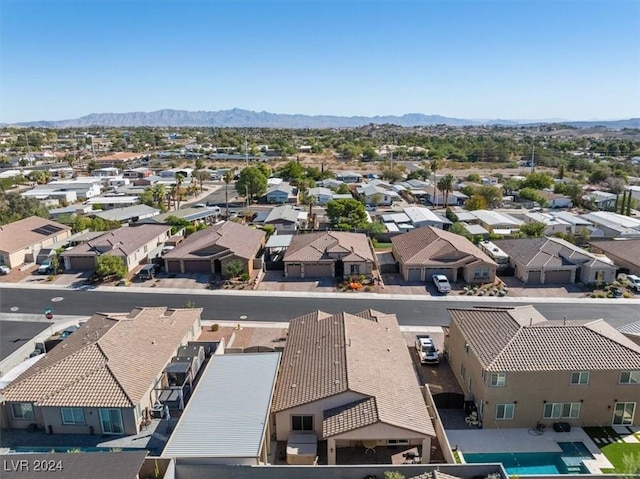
(227, 178)
(446, 186)
(159, 192)
(434, 166)
(179, 180)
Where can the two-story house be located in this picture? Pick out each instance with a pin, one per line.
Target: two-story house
(521, 370)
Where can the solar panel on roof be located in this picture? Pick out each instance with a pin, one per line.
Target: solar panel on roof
(47, 230)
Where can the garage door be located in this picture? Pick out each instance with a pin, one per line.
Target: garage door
(534, 277)
(173, 266)
(429, 272)
(197, 266)
(322, 270)
(414, 274)
(557, 277)
(293, 270)
(83, 262)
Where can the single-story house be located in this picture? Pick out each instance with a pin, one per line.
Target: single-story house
(614, 225)
(625, 253)
(135, 245)
(349, 177)
(135, 173)
(194, 216)
(129, 214)
(576, 223)
(220, 407)
(555, 261)
(602, 199)
(173, 172)
(105, 172)
(21, 241)
(497, 223)
(321, 194)
(378, 195)
(420, 216)
(108, 202)
(282, 192)
(552, 224)
(212, 249)
(117, 159)
(344, 379)
(426, 251)
(556, 200)
(332, 254)
(520, 369)
(285, 218)
(102, 380)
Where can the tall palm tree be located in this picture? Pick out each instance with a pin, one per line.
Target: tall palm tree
(227, 178)
(159, 192)
(434, 166)
(179, 181)
(446, 186)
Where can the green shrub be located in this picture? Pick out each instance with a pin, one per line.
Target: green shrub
(215, 327)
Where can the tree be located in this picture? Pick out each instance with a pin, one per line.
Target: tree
(491, 194)
(347, 214)
(476, 202)
(451, 216)
(474, 178)
(14, 207)
(227, 178)
(511, 185)
(445, 184)
(178, 191)
(434, 166)
(234, 268)
(109, 265)
(532, 195)
(176, 223)
(533, 229)
(291, 171)
(391, 175)
(537, 181)
(459, 229)
(201, 176)
(251, 182)
(375, 228)
(199, 164)
(39, 177)
(92, 165)
(343, 189)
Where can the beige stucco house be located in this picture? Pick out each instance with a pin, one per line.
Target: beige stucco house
(426, 251)
(625, 253)
(331, 254)
(103, 378)
(521, 370)
(135, 245)
(212, 249)
(555, 261)
(21, 241)
(349, 379)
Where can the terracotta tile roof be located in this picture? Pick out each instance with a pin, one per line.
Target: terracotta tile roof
(520, 339)
(110, 361)
(548, 253)
(626, 250)
(120, 242)
(350, 416)
(318, 246)
(429, 245)
(21, 234)
(363, 353)
(222, 239)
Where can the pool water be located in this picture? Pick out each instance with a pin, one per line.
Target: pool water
(569, 461)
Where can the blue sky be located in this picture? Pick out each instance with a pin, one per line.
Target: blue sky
(514, 59)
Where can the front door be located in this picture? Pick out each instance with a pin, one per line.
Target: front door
(623, 413)
(111, 420)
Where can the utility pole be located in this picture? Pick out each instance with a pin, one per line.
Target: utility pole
(246, 152)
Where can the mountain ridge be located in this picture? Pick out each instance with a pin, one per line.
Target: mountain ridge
(240, 118)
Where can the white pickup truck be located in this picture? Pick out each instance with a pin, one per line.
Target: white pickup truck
(442, 283)
(426, 349)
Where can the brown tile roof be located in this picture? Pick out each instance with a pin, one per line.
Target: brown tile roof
(363, 353)
(318, 246)
(222, 239)
(520, 339)
(120, 242)
(433, 246)
(110, 361)
(626, 250)
(23, 233)
(350, 416)
(547, 253)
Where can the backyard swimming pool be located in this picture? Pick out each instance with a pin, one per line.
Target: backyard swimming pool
(569, 461)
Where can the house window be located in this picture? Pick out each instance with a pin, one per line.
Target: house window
(630, 377)
(570, 410)
(302, 423)
(397, 442)
(505, 411)
(463, 371)
(72, 415)
(466, 347)
(580, 377)
(476, 273)
(23, 410)
(498, 379)
(355, 269)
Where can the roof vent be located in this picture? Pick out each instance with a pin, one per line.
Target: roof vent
(294, 385)
(153, 342)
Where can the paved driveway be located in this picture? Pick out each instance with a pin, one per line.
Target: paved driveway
(275, 281)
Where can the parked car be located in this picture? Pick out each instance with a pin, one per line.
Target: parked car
(633, 282)
(5, 269)
(426, 349)
(148, 271)
(68, 332)
(45, 267)
(442, 283)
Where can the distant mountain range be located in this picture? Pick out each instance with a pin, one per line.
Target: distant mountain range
(263, 119)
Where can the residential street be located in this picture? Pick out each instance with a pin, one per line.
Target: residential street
(277, 306)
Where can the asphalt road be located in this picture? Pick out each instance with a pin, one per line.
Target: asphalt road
(254, 307)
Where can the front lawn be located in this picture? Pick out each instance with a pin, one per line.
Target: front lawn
(624, 456)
